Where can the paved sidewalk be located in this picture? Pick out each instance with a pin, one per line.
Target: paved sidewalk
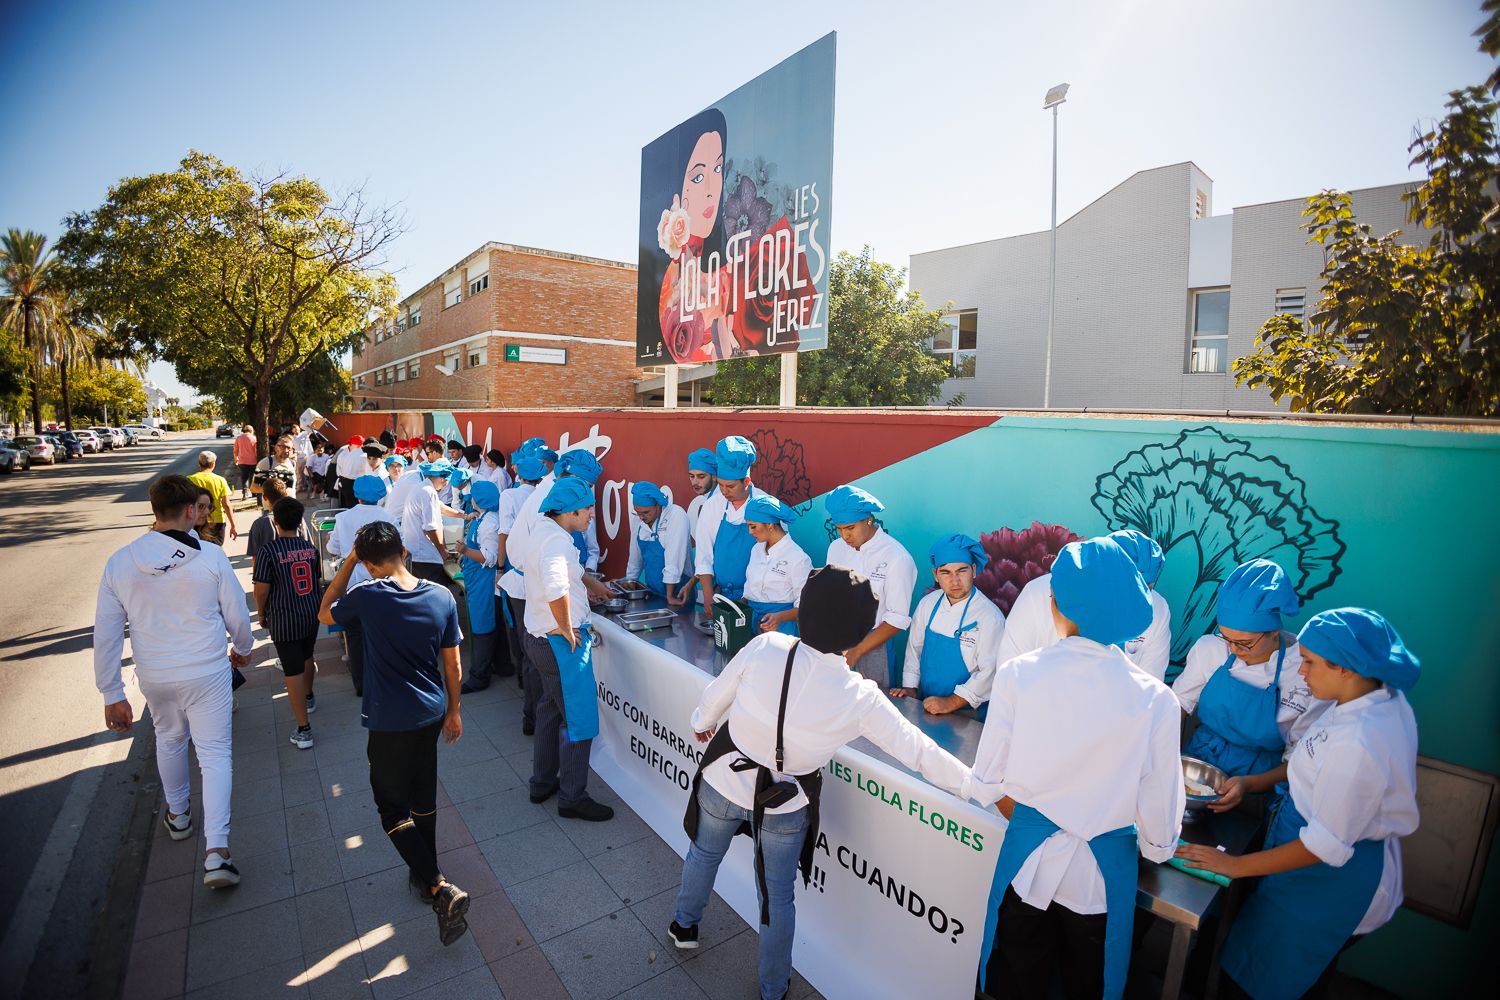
(560, 908)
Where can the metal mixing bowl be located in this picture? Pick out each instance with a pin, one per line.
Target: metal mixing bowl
(1203, 773)
(616, 604)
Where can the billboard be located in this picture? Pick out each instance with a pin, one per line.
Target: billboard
(735, 209)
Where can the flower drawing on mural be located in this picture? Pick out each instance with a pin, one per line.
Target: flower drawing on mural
(746, 211)
(1017, 558)
(673, 231)
(781, 467)
(1212, 504)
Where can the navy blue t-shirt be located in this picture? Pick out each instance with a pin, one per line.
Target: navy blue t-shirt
(405, 632)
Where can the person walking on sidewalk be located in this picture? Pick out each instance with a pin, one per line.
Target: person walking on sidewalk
(180, 598)
(287, 580)
(245, 456)
(411, 695)
(369, 491)
(218, 489)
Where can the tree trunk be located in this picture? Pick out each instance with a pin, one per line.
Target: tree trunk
(36, 375)
(260, 399)
(67, 403)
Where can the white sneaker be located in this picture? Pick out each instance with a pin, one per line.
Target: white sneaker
(301, 738)
(219, 872)
(179, 827)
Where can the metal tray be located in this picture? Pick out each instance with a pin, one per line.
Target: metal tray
(637, 593)
(645, 621)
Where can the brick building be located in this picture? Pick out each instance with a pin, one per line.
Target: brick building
(507, 326)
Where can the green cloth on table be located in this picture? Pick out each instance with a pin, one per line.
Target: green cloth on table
(1202, 873)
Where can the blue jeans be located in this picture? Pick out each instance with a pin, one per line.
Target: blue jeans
(781, 836)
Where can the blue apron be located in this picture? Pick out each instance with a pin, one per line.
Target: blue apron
(942, 663)
(1237, 730)
(653, 559)
(581, 543)
(759, 609)
(1295, 923)
(580, 694)
(732, 545)
(479, 585)
(1114, 852)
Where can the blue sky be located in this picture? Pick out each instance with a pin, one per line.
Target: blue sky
(523, 122)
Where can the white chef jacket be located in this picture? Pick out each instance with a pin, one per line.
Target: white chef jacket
(590, 545)
(349, 463)
(673, 532)
(892, 573)
(1353, 777)
(505, 522)
(715, 509)
(980, 646)
(1029, 626)
(1296, 709)
(1084, 736)
(302, 444)
(423, 512)
(777, 576)
(827, 705)
(518, 539)
(401, 491)
(489, 538)
(346, 525)
(552, 570)
(695, 507)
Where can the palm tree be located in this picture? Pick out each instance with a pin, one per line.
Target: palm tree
(72, 342)
(27, 305)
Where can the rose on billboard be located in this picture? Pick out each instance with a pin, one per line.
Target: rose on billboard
(673, 231)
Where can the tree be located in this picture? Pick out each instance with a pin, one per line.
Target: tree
(1403, 329)
(27, 301)
(877, 353)
(99, 392)
(237, 281)
(72, 342)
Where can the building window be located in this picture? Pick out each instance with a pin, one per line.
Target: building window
(450, 360)
(380, 377)
(478, 285)
(958, 345)
(1291, 301)
(1200, 204)
(1208, 346)
(476, 357)
(453, 291)
(400, 324)
(400, 373)
(416, 315)
(415, 368)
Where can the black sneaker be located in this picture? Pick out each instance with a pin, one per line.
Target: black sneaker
(685, 938)
(469, 687)
(528, 728)
(451, 903)
(588, 809)
(420, 889)
(538, 798)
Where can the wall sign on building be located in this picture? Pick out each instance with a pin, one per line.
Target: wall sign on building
(734, 225)
(536, 355)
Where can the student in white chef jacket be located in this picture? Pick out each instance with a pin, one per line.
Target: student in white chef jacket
(1029, 624)
(864, 547)
(722, 539)
(1330, 869)
(778, 567)
(659, 535)
(952, 648)
(1084, 747)
(826, 705)
(703, 467)
(511, 586)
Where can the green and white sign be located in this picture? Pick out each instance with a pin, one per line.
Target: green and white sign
(536, 355)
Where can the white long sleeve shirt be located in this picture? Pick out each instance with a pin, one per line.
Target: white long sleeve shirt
(180, 603)
(716, 509)
(1296, 708)
(489, 538)
(346, 525)
(349, 463)
(1090, 740)
(1029, 626)
(423, 513)
(673, 532)
(827, 705)
(505, 521)
(892, 573)
(552, 570)
(777, 575)
(400, 492)
(1353, 777)
(980, 646)
(518, 540)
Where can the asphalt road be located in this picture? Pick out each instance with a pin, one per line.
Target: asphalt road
(72, 795)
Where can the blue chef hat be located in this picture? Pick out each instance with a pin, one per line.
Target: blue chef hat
(546, 454)
(531, 446)
(530, 467)
(703, 460)
(1364, 642)
(734, 456)
(567, 495)
(458, 477)
(442, 468)
(395, 460)
(1255, 596)
(768, 510)
(582, 464)
(958, 549)
(369, 489)
(644, 494)
(1097, 586)
(485, 494)
(1143, 551)
(849, 504)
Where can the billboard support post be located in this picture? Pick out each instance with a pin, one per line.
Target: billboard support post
(669, 388)
(788, 380)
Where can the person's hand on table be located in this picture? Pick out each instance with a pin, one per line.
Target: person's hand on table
(677, 598)
(940, 704)
(1209, 859)
(1230, 796)
(903, 692)
(119, 717)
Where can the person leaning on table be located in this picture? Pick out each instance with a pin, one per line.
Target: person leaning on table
(750, 780)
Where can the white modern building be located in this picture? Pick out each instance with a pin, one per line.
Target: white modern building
(1156, 296)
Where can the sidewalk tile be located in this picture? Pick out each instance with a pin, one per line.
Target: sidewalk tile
(413, 959)
(472, 748)
(719, 923)
(294, 762)
(171, 857)
(531, 851)
(331, 949)
(452, 831)
(381, 898)
(299, 787)
(335, 749)
(250, 763)
(220, 950)
(265, 878)
(596, 838)
(157, 968)
(730, 971)
(606, 957)
(497, 928)
(476, 984)
(257, 833)
(473, 780)
(353, 809)
(527, 975)
(306, 821)
(256, 796)
(467, 867)
(500, 812)
(268, 983)
(674, 984)
(560, 901)
(338, 779)
(640, 870)
(316, 865)
(165, 905)
(364, 851)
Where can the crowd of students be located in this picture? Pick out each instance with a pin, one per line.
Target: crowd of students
(1081, 743)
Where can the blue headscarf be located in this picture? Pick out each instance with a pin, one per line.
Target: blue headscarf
(850, 504)
(1255, 596)
(703, 460)
(567, 495)
(582, 464)
(531, 446)
(530, 467)
(644, 494)
(546, 454)
(1142, 548)
(1097, 587)
(734, 456)
(395, 460)
(486, 494)
(369, 489)
(1364, 642)
(958, 549)
(442, 468)
(769, 510)
(458, 477)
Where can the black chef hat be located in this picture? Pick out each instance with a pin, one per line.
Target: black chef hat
(837, 609)
(472, 453)
(375, 449)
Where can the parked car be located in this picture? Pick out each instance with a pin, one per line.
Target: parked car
(67, 443)
(111, 440)
(39, 448)
(130, 436)
(90, 441)
(12, 458)
(143, 432)
(226, 431)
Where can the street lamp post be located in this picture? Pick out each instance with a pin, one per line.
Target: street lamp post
(1055, 97)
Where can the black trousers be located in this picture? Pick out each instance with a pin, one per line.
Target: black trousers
(354, 646)
(556, 761)
(491, 650)
(1032, 945)
(403, 778)
(346, 493)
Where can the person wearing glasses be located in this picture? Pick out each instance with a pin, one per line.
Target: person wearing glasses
(1244, 681)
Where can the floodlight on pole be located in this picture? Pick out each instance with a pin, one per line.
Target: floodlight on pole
(453, 370)
(1055, 97)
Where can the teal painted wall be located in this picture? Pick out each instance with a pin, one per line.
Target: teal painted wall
(1400, 520)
